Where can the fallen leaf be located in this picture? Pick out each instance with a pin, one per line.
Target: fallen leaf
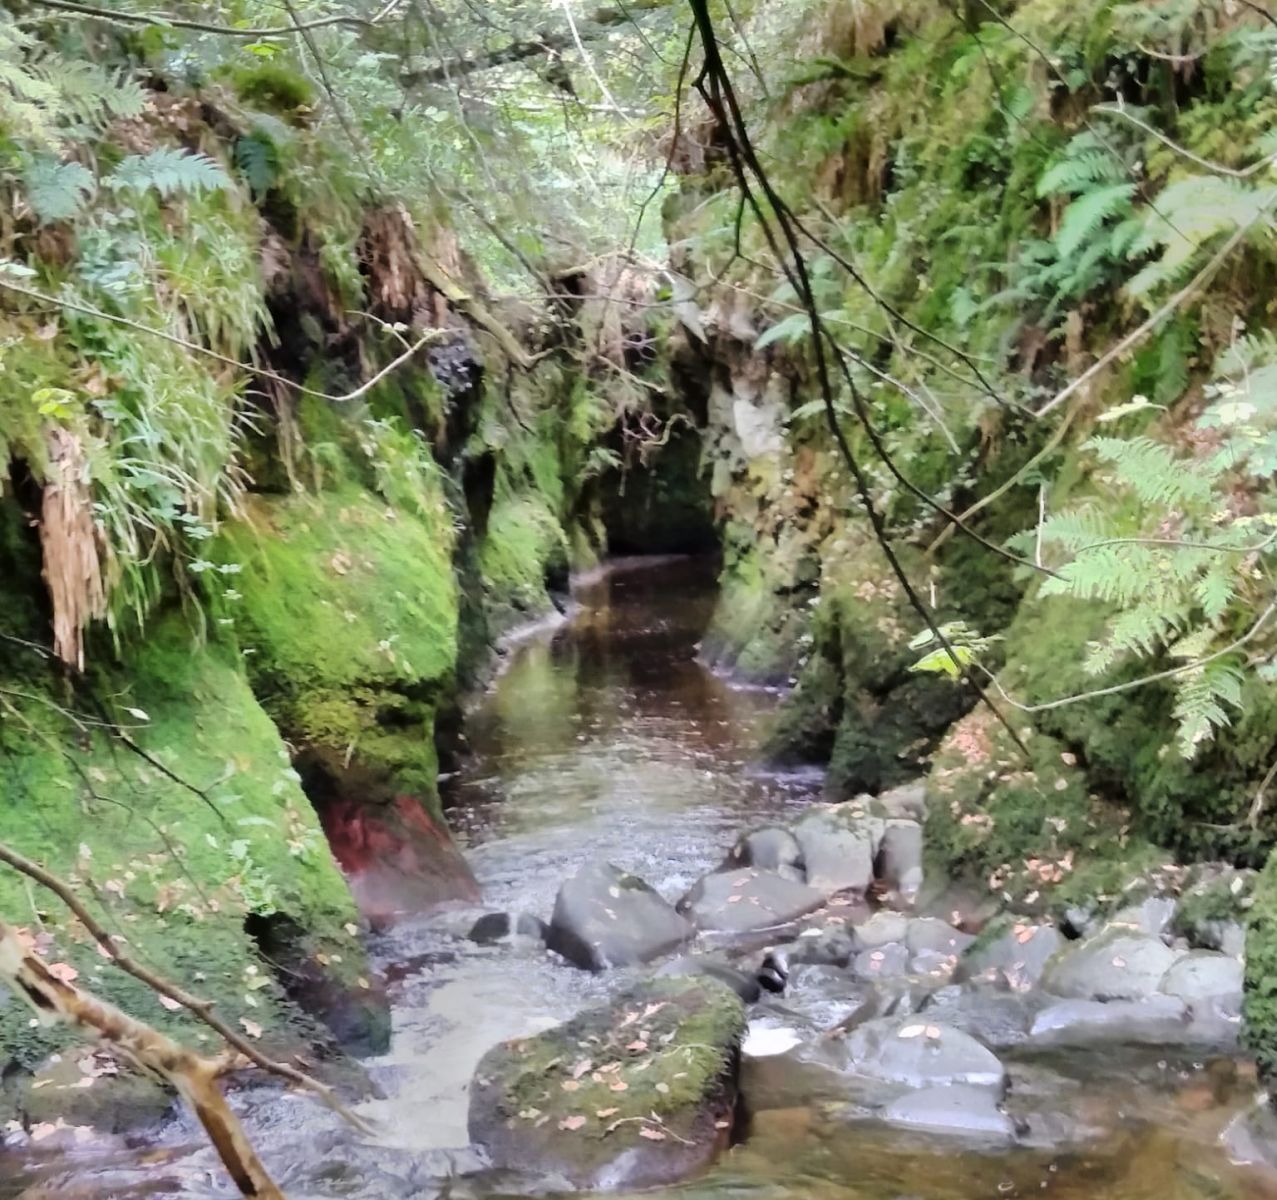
(252, 1028)
(652, 1135)
(571, 1085)
(912, 1031)
(604, 1113)
(64, 971)
(581, 1068)
(619, 1086)
(169, 1003)
(572, 1123)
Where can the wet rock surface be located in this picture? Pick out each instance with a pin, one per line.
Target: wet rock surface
(636, 1093)
(605, 917)
(747, 899)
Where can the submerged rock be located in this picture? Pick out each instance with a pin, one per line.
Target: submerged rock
(636, 1093)
(495, 927)
(747, 899)
(832, 946)
(1116, 964)
(958, 1109)
(769, 849)
(880, 929)
(1152, 1020)
(921, 1053)
(605, 917)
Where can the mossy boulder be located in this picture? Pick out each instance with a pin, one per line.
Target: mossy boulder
(639, 1092)
(183, 838)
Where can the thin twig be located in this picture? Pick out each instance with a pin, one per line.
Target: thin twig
(162, 22)
(200, 1009)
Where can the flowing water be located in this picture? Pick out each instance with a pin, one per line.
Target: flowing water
(608, 739)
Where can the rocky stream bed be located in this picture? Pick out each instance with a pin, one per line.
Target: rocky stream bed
(691, 973)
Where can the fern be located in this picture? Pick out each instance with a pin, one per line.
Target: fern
(168, 171)
(1200, 702)
(1085, 216)
(1153, 472)
(257, 160)
(57, 191)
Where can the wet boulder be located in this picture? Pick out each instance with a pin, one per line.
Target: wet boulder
(921, 1053)
(516, 927)
(1153, 1020)
(1012, 952)
(769, 849)
(1204, 975)
(959, 1110)
(899, 862)
(996, 1017)
(746, 899)
(605, 917)
(633, 1094)
(1115, 964)
(839, 845)
(1153, 915)
(888, 961)
(832, 946)
(939, 937)
(882, 928)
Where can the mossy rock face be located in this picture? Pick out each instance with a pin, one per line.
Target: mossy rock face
(636, 1093)
(1028, 826)
(179, 871)
(346, 611)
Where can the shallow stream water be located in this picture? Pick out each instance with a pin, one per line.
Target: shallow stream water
(606, 738)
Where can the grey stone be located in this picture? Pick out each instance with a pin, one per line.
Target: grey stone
(1115, 964)
(899, 862)
(930, 933)
(933, 964)
(1152, 1020)
(883, 962)
(1018, 955)
(605, 917)
(838, 846)
(833, 945)
(747, 899)
(769, 849)
(1154, 915)
(881, 928)
(920, 1053)
(1205, 975)
(997, 1018)
(908, 801)
(958, 1109)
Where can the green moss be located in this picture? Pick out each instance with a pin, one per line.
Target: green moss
(661, 1057)
(1260, 1007)
(346, 612)
(175, 871)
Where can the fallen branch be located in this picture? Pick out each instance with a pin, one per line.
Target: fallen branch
(155, 1054)
(201, 1009)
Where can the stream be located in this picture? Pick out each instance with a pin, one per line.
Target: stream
(606, 738)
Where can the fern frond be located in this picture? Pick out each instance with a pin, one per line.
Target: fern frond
(257, 159)
(1077, 528)
(1080, 172)
(1215, 588)
(1083, 218)
(1153, 472)
(169, 170)
(1144, 628)
(57, 191)
(1200, 699)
